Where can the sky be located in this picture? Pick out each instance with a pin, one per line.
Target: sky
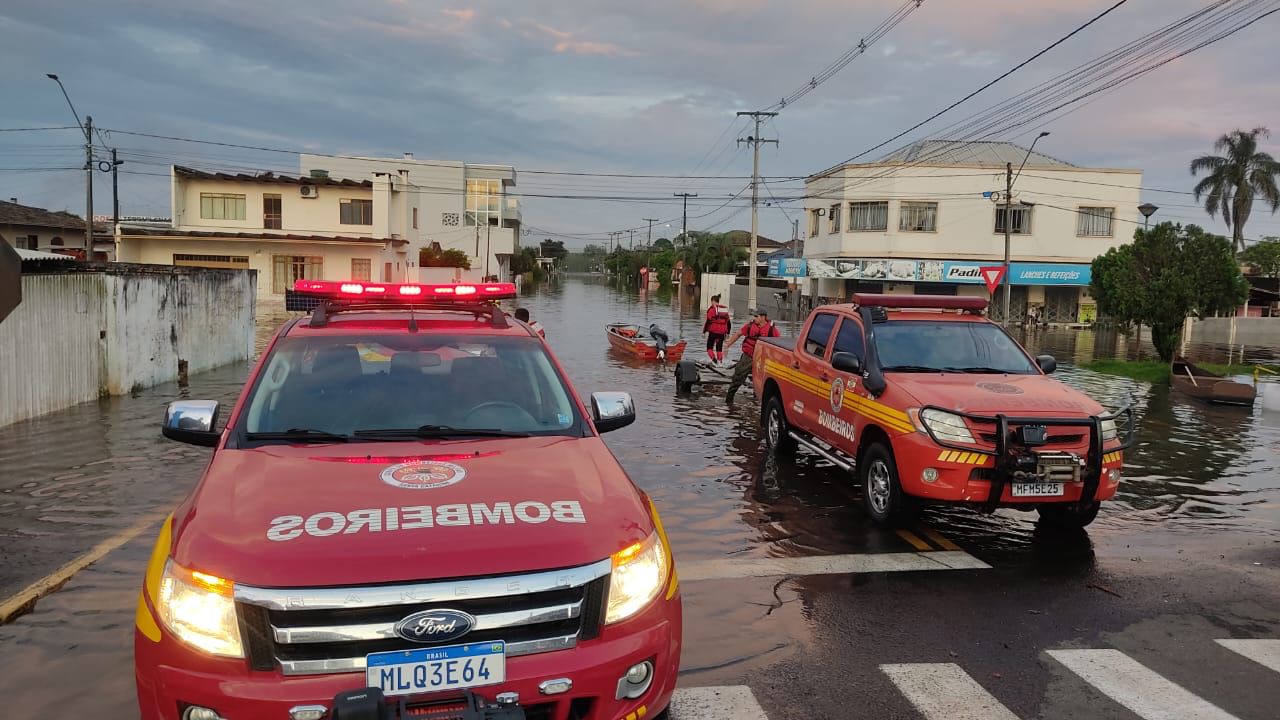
(647, 88)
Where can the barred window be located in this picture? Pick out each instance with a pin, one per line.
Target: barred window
(361, 269)
(868, 216)
(918, 217)
(221, 206)
(833, 219)
(288, 269)
(1095, 221)
(1020, 219)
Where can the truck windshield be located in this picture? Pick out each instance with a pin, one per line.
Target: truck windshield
(374, 387)
(973, 347)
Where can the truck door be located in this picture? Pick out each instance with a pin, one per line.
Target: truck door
(815, 374)
(837, 424)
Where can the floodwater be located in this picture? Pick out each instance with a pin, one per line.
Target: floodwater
(73, 478)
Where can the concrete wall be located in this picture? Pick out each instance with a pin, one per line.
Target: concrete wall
(1255, 332)
(78, 336)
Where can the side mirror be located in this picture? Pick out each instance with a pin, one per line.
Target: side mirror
(612, 410)
(192, 422)
(1047, 363)
(846, 362)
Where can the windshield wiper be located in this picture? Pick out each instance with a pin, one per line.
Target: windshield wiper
(299, 435)
(982, 370)
(912, 369)
(438, 431)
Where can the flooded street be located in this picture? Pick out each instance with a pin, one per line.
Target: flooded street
(1187, 554)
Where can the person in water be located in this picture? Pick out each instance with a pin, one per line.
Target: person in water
(716, 328)
(750, 333)
(522, 314)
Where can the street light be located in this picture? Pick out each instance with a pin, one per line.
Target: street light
(1147, 210)
(1008, 224)
(86, 128)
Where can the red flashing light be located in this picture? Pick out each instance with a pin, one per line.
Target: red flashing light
(403, 291)
(921, 302)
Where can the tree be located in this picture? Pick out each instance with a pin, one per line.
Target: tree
(662, 244)
(1236, 178)
(1263, 257)
(525, 261)
(433, 256)
(554, 249)
(1164, 275)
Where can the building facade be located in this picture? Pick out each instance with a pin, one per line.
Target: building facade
(928, 218)
(33, 228)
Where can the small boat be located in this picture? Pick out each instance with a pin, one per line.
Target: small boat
(1204, 385)
(642, 343)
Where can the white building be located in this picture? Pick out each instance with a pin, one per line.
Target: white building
(922, 221)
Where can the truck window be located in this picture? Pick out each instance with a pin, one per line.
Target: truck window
(920, 345)
(815, 343)
(850, 339)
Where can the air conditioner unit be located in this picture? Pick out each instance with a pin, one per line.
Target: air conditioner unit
(308, 191)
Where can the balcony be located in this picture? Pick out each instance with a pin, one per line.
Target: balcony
(511, 213)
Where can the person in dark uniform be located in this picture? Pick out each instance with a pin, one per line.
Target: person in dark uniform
(758, 327)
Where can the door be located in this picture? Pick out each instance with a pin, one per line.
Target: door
(837, 423)
(813, 373)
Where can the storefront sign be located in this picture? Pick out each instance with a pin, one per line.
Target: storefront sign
(787, 267)
(970, 273)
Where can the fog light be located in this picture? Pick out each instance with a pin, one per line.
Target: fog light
(195, 712)
(929, 475)
(555, 687)
(308, 712)
(1113, 476)
(636, 682)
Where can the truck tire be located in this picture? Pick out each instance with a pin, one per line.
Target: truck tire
(1069, 515)
(881, 491)
(776, 429)
(683, 387)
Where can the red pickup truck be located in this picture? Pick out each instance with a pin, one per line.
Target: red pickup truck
(928, 401)
(408, 513)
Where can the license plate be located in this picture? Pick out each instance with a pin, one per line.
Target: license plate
(424, 670)
(1038, 489)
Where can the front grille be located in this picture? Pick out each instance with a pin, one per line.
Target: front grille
(1053, 439)
(330, 630)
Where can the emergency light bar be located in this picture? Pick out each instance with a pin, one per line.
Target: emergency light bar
(921, 302)
(404, 292)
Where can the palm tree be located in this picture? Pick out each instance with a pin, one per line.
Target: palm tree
(1235, 179)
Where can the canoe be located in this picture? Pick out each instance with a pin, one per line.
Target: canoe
(1189, 379)
(636, 341)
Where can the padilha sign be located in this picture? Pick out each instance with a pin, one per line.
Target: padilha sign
(949, 271)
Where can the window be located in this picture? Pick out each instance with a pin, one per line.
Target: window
(361, 269)
(918, 217)
(815, 343)
(956, 346)
(1095, 221)
(868, 216)
(850, 339)
(272, 219)
(288, 269)
(56, 241)
(484, 202)
(221, 206)
(415, 218)
(1021, 219)
(833, 219)
(815, 219)
(33, 242)
(355, 212)
(231, 262)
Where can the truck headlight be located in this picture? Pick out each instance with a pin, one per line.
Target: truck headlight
(199, 609)
(1109, 430)
(639, 574)
(946, 426)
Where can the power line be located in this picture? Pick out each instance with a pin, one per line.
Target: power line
(38, 129)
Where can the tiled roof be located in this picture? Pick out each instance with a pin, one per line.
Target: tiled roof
(268, 237)
(957, 152)
(268, 177)
(742, 238)
(15, 214)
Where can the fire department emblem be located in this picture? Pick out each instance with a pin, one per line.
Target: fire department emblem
(837, 395)
(423, 475)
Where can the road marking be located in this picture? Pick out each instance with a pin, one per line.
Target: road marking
(726, 568)
(1264, 652)
(1133, 685)
(914, 540)
(25, 599)
(938, 538)
(735, 702)
(943, 691)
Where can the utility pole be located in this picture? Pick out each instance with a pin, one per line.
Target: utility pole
(87, 127)
(115, 192)
(1008, 233)
(795, 253)
(755, 141)
(631, 245)
(684, 214)
(648, 248)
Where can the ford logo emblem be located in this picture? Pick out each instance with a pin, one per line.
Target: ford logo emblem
(435, 626)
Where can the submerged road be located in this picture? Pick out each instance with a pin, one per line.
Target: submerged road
(796, 606)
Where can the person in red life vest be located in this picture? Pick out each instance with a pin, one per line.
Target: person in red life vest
(716, 328)
(522, 314)
(751, 332)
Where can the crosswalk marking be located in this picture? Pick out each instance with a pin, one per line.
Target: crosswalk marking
(1141, 690)
(943, 691)
(1264, 652)
(728, 568)
(735, 702)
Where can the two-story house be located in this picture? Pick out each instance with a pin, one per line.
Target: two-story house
(927, 218)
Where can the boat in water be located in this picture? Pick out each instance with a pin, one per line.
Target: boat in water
(1195, 381)
(651, 343)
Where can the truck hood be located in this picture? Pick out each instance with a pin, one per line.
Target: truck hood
(363, 513)
(1024, 395)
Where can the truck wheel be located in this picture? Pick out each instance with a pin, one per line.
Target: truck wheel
(683, 387)
(881, 492)
(776, 430)
(1069, 515)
